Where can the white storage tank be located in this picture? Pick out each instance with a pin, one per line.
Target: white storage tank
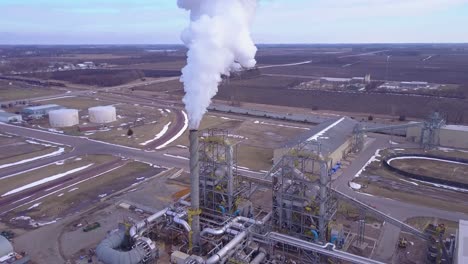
(63, 117)
(102, 114)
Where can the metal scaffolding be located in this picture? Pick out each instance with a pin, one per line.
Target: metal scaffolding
(303, 204)
(430, 131)
(220, 188)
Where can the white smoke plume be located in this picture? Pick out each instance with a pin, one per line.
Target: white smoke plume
(218, 39)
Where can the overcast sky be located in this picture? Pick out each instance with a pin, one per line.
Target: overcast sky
(277, 21)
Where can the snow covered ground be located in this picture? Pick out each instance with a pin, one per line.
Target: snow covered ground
(45, 180)
(279, 125)
(178, 134)
(158, 136)
(55, 153)
(425, 158)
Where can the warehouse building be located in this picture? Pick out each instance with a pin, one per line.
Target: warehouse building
(40, 110)
(451, 136)
(335, 138)
(9, 117)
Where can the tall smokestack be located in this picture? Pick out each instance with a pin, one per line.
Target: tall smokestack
(194, 187)
(218, 41)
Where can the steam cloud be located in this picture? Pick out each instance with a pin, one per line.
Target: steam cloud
(218, 39)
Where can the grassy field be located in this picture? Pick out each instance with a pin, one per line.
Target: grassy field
(88, 193)
(379, 181)
(435, 169)
(27, 155)
(12, 146)
(50, 170)
(16, 91)
(79, 103)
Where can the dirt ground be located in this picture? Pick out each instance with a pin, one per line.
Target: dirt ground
(377, 180)
(255, 139)
(435, 169)
(20, 90)
(12, 146)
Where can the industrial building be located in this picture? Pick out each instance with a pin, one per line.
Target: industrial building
(9, 117)
(461, 255)
(335, 140)
(451, 136)
(8, 255)
(40, 110)
(217, 223)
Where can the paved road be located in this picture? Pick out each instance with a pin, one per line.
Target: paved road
(397, 209)
(84, 145)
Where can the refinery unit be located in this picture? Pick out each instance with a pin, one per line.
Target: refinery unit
(220, 221)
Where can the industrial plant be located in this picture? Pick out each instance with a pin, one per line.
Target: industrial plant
(220, 221)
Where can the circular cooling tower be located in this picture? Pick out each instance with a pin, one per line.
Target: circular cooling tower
(102, 114)
(63, 117)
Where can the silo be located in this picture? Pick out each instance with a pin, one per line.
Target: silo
(63, 117)
(102, 114)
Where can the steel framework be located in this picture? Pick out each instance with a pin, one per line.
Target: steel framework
(303, 204)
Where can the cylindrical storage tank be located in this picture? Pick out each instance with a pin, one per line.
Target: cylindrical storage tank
(63, 117)
(102, 114)
(5, 246)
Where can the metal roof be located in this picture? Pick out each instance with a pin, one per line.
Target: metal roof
(41, 107)
(6, 114)
(462, 248)
(456, 127)
(5, 246)
(331, 134)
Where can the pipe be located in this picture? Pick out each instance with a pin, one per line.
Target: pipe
(260, 257)
(178, 219)
(230, 177)
(194, 186)
(235, 222)
(107, 251)
(228, 247)
(134, 230)
(328, 249)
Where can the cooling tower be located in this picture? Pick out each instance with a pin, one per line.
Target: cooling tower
(63, 117)
(102, 114)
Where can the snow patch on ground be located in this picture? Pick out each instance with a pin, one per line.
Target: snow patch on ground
(34, 206)
(409, 182)
(425, 158)
(444, 186)
(32, 222)
(280, 125)
(355, 186)
(175, 156)
(451, 149)
(55, 153)
(45, 180)
(102, 195)
(73, 189)
(159, 135)
(393, 143)
(182, 146)
(372, 159)
(178, 134)
(168, 110)
(59, 195)
(37, 143)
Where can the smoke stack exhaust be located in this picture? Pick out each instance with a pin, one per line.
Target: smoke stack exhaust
(194, 187)
(219, 42)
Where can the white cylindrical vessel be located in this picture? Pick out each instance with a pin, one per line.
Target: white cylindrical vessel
(102, 114)
(63, 118)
